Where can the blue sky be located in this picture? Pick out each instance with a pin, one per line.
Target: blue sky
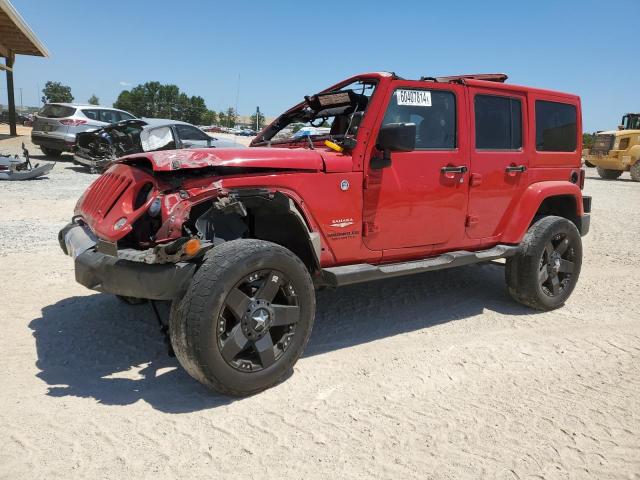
(283, 50)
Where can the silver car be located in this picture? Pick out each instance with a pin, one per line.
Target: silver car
(56, 124)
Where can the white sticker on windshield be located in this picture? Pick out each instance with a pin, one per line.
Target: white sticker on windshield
(415, 98)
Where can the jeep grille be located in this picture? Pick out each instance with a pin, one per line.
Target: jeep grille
(104, 194)
(603, 143)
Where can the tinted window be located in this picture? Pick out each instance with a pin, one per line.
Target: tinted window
(187, 132)
(498, 122)
(92, 114)
(556, 127)
(433, 112)
(56, 111)
(109, 116)
(125, 116)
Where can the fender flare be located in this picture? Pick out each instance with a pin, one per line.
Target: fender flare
(530, 202)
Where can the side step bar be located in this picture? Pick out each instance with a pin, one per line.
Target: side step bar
(365, 272)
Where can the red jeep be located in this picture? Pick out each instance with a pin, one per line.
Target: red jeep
(390, 177)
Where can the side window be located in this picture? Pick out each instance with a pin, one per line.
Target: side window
(124, 116)
(498, 122)
(433, 112)
(109, 116)
(556, 127)
(187, 132)
(92, 114)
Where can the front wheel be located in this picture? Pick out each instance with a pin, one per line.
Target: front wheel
(246, 318)
(545, 271)
(608, 174)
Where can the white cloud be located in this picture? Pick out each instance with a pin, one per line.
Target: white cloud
(124, 84)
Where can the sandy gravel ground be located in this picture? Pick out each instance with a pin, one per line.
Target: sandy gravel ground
(438, 376)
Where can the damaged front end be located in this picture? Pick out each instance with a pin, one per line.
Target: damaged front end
(98, 149)
(139, 232)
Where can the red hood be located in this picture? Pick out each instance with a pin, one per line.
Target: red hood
(285, 158)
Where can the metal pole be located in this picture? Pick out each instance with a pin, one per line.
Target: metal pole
(257, 119)
(237, 98)
(10, 97)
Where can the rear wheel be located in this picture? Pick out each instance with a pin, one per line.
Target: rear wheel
(545, 271)
(635, 171)
(246, 318)
(589, 164)
(50, 152)
(608, 174)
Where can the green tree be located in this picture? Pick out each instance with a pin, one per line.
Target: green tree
(56, 92)
(209, 118)
(260, 119)
(93, 100)
(587, 140)
(222, 119)
(231, 117)
(153, 99)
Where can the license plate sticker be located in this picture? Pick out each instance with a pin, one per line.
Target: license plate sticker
(414, 98)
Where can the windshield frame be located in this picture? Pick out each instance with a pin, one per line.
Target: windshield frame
(265, 137)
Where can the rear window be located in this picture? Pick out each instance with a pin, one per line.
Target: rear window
(56, 111)
(556, 127)
(498, 123)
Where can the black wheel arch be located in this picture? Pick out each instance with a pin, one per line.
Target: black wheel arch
(259, 214)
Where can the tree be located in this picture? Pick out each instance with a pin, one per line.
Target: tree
(93, 100)
(153, 99)
(260, 119)
(209, 118)
(231, 117)
(222, 119)
(56, 92)
(587, 140)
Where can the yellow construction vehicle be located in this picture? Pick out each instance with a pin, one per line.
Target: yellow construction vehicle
(617, 151)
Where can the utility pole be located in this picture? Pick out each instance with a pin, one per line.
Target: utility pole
(257, 119)
(237, 99)
(21, 106)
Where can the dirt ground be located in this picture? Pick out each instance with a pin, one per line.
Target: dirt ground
(437, 376)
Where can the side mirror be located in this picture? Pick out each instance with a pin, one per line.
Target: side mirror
(394, 137)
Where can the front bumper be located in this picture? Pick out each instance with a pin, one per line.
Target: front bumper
(109, 274)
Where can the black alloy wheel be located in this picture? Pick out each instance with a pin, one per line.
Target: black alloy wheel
(557, 265)
(545, 270)
(258, 320)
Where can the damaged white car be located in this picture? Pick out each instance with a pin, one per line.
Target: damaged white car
(99, 148)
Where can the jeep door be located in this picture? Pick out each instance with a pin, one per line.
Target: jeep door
(420, 200)
(499, 159)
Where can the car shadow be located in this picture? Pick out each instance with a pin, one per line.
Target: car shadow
(97, 347)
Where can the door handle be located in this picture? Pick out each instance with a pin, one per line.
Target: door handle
(450, 169)
(515, 169)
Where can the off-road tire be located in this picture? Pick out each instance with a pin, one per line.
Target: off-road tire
(50, 152)
(608, 174)
(635, 171)
(522, 270)
(194, 320)
(588, 164)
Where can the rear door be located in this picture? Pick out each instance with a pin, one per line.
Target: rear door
(499, 159)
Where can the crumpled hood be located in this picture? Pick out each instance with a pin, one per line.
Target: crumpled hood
(276, 158)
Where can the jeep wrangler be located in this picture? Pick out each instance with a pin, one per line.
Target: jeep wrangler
(391, 177)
